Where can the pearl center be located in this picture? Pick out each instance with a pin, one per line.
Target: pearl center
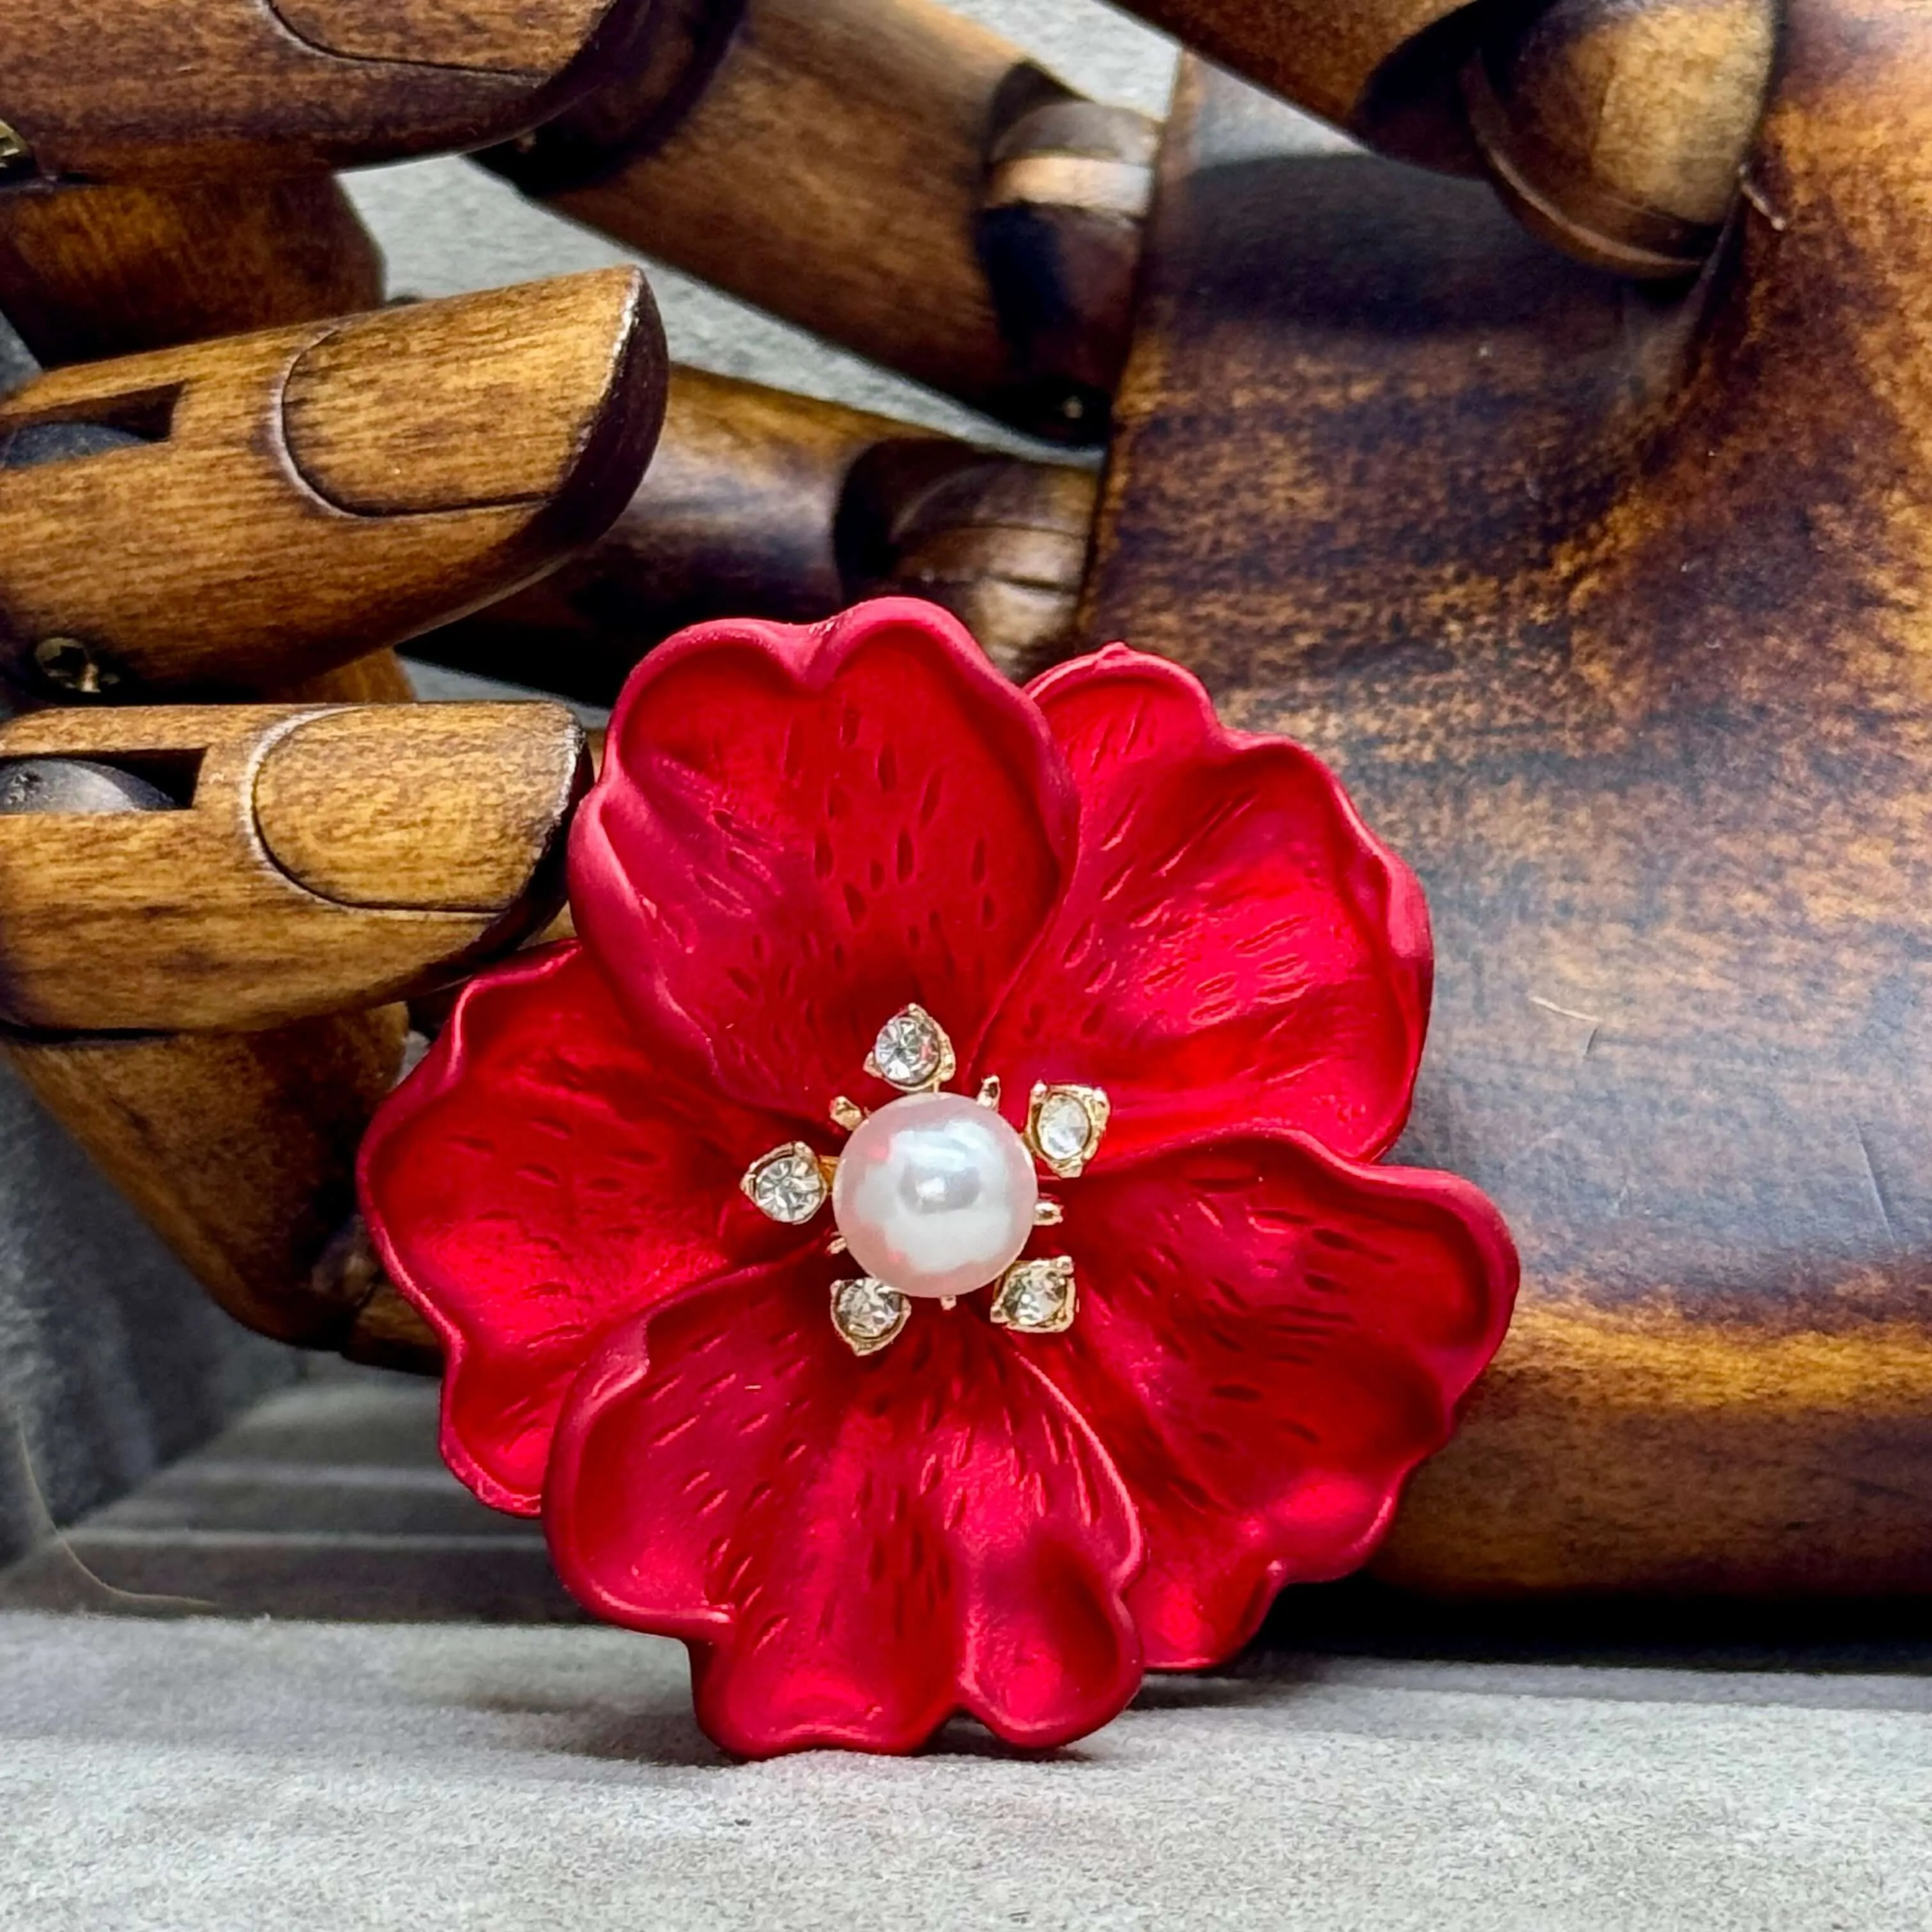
(935, 1196)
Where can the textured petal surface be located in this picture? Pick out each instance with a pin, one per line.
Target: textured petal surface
(538, 1178)
(798, 831)
(855, 1548)
(1235, 947)
(1269, 1340)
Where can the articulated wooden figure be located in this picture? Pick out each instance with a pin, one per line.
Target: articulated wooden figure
(1551, 463)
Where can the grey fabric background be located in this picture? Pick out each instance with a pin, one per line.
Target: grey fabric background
(293, 1777)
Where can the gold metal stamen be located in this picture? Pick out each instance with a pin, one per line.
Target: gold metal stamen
(1037, 1298)
(913, 1053)
(1064, 1126)
(867, 1314)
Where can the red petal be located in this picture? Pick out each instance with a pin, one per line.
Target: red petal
(798, 831)
(1268, 1340)
(854, 1549)
(539, 1177)
(1235, 946)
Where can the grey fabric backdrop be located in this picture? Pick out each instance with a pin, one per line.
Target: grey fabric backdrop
(111, 1361)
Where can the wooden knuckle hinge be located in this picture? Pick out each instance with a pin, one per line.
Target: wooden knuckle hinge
(1620, 132)
(373, 1324)
(1060, 230)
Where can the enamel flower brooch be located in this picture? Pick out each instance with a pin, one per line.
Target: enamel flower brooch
(920, 1244)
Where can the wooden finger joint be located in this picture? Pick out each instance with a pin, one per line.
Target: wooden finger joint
(1060, 230)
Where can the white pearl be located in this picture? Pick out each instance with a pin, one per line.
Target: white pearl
(935, 1196)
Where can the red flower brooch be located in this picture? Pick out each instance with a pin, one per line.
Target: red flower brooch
(891, 1399)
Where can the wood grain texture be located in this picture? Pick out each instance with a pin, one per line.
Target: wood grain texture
(1343, 62)
(294, 498)
(381, 808)
(1001, 541)
(510, 37)
(120, 90)
(378, 679)
(358, 434)
(221, 915)
(238, 1149)
(238, 1152)
(1611, 610)
(1616, 128)
(835, 168)
(87, 273)
(758, 503)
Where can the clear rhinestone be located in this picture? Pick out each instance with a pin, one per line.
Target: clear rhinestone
(788, 1185)
(1064, 1128)
(1037, 1298)
(1065, 1124)
(912, 1052)
(868, 1313)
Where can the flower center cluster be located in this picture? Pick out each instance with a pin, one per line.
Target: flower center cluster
(936, 1195)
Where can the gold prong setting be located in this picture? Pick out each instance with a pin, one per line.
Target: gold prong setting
(793, 1184)
(1037, 1298)
(790, 1184)
(913, 1053)
(1065, 1125)
(867, 1314)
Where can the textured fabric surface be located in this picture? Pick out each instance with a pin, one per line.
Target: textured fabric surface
(112, 1360)
(213, 1775)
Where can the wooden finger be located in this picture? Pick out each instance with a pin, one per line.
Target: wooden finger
(282, 862)
(1614, 129)
(119, 90)
(886, 174)
(758, 503)
(239, 1149)
(1617, 131)
(87, 273)
(276, 504)
(1383, 71)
